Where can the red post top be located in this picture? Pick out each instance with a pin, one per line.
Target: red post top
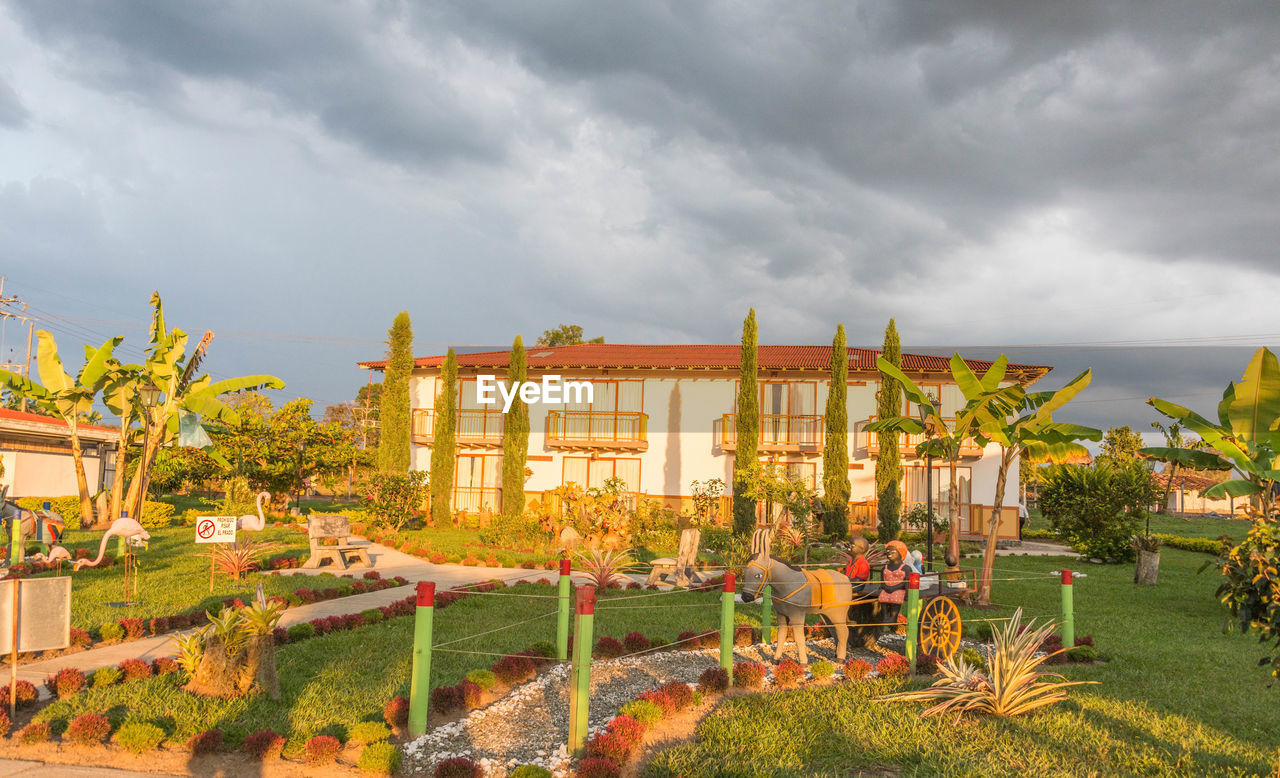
(1066, 577)
(913, 581)
(586, 601)
(565, 567)
(729, 580)
(426, 594)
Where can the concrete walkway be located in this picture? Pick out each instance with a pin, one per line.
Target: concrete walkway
(388, 562)
(1037, 548)
(30, 769)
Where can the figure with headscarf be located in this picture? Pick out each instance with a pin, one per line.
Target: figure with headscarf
(893, 590)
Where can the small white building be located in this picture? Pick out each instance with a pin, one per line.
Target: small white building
(662, 416)
(36, 453)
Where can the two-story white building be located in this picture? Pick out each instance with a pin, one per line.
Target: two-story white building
(662, 416)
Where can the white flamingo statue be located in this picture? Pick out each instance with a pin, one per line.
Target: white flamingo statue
(56, 554)
(123, 527)
(251, 522)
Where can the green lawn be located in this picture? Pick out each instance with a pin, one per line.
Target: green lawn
(331, 682)
(1176, 698)
(1173, 525)
(172, 577)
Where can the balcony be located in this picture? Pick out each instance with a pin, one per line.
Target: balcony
(476, 428)
(778, 433)
(907, 443)
(619, 430)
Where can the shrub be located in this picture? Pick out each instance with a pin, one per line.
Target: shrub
(788, 673)
(1098, 508)
(446, 699)
(927, 664)
(627, 728)
(301, 632)
(5, 724)
(485, 679)
(709, 639)
(893, 666)
(26, 694)
(687, 639)
(372, 575)
(322, 750)
(381, 759)
(111, 632)
(713, 680)
(458, 767)
(65, 682)
(138, 737)
(513, 669)
(822, 669)
(856, 669)
(207, 742)
(984, 631)
(88, 729)
(135, 669)
(80, 638)
(396, 712)
(368, 732)
(471, 694)
(105, 676)
(371, 616)
(658, 642)
(656, 696)
(35, 732)
(133, 628)
(1083, 653)
(748, 675)
(744, 636)
(644, 711)
(635, 642)
(529, 771)
(974, 657)
(164, 665)
(609, 648)
(264, 744)
(610, 745)
(680, 694)
(598, 767)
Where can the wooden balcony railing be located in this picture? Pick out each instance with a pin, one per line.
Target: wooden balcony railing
(598, 429)
(777, 432)
(475, 427)
(473, 499)
(907, 443)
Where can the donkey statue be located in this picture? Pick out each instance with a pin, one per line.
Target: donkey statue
(796, 593)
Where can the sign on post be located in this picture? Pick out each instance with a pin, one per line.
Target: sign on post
(215, 529)
(35, 615)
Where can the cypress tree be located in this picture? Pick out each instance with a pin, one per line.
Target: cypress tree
(393, 439)
(835, 454)
(748, 430)
(515, 436)
(889, 463)
(444, 439)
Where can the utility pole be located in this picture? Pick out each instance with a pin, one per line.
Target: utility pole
(7, 304)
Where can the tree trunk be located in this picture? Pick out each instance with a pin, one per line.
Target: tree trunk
(1168, 487)
(82, 483)
(218, 674)
(1147, 569)
(953, 505)
(993, 527)
(117, 485)
(138, 487)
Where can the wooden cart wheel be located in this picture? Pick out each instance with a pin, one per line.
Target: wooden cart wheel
(940, 628)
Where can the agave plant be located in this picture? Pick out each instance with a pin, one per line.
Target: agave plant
(604, 567)
(260, 618)
(190, 648)
(237, 559)
(1010, 687)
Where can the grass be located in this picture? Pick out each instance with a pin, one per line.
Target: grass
(332, 682)
(1177, 697)
(1191, 527)
(172, 577)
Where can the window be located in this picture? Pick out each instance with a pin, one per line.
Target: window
(610, 397)
(916, 491)
(477, 480)
(933, 392)
(592, 473)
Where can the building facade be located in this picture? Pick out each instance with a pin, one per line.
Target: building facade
(662, 416)
(35, 452)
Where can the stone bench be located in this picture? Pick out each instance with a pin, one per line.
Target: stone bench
(336, 528)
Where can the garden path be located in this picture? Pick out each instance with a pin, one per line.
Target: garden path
(31, 769)
(388, 562)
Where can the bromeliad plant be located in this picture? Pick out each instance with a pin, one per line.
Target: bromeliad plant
(1010, 687)
(604, 567)
(237, 559)
(235, 653)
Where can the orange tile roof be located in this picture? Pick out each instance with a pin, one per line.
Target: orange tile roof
(669, 356)
(6, 413)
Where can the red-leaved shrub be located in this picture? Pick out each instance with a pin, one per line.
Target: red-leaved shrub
(713, 680)
(513, 669)
(679, 693)
(610, 745)
(135, 669)
(207, 742)
(598, 767)
(88, 729)
(471, 693)
(26, 694)
(35, 732)
(788, 673)
(396, 712)
(164, 665)
(893, 666)
(458, 767)
(744, 636)
(634, 641)
(65, 682)
(626, 728)
(322, 750)
(657, 697)
(609, 648)
(446, 699)
(748, 675)
(264, 744)
(856, 669)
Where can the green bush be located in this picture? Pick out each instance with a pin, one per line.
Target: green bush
(368, 732)
(822, 669)
(1202, 545)
(68, 507)
(395, 498)
(372, 616)
(106, 676)
(485, 679)
(1098, 508)
(381, 759)
(646, 712)
(301, 632)
(529, 771)
(974, 657)
(1039, 534)
(1083, 653)
(138, 737)
(156, 515)
(111, 632)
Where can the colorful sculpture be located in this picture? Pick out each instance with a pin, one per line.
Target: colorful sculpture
(43, 526)
(893, 590)
(121, 527)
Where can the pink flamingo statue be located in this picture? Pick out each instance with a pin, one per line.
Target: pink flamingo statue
(122, 527)
(251, 522)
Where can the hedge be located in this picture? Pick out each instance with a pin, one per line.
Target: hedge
(1201, 545)
(155, 515)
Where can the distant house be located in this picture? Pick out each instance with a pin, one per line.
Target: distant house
(36, 452)
(662, 416)
(1187, 494)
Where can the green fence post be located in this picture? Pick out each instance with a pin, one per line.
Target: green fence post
(121, 550)
(726, 625)
(1068, 612)
(766, 614)
(420, 674)
(562, 623)
(913, 618)
(15, 539)
(580, 675)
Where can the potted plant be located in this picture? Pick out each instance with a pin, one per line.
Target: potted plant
(1147, 569)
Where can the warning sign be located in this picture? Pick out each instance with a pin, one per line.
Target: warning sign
(215, 529)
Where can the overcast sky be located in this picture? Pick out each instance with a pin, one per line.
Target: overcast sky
(1087, 178)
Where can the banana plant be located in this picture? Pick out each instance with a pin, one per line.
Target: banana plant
(66, 397)
(986, 401)
(1032, 432)
(1246, 437)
